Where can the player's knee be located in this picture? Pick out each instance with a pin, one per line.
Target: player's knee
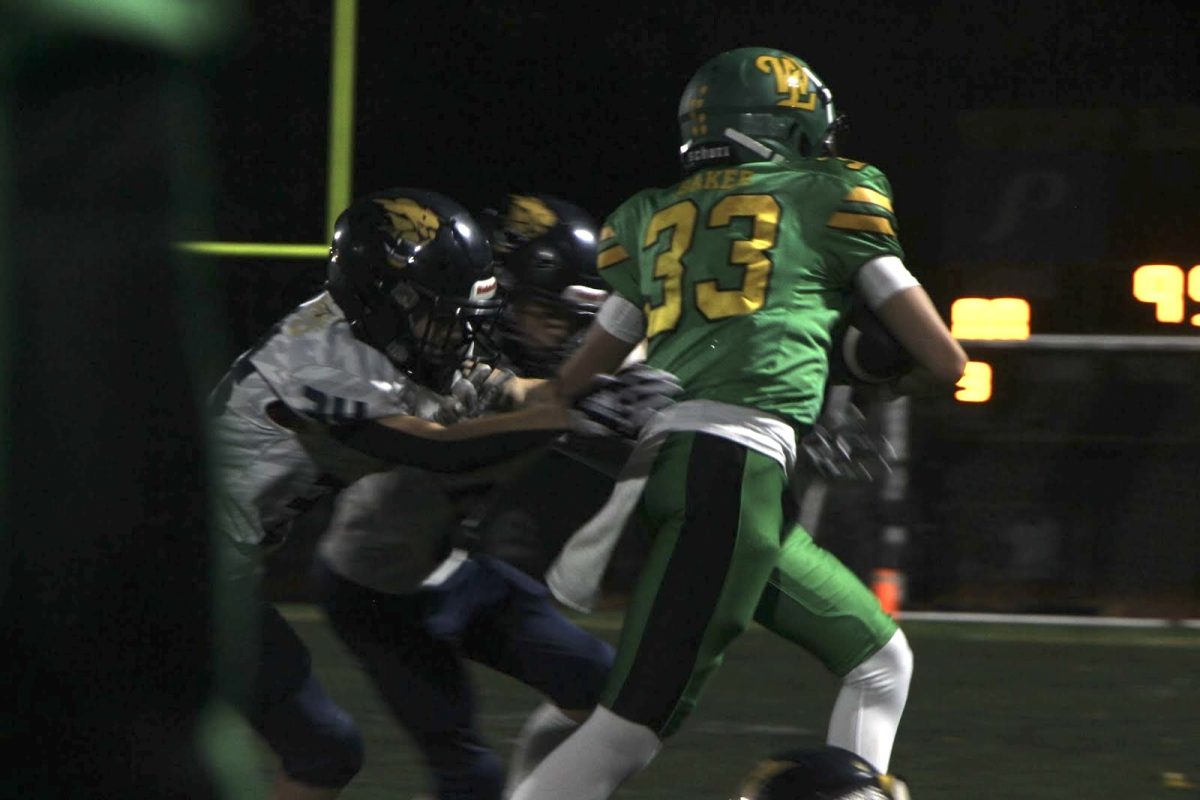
(463, 767)
(583, 686)
(597, 667)
(899, 657)
(318, 743)
(890, 668)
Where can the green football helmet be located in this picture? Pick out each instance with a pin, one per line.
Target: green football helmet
(755, 104)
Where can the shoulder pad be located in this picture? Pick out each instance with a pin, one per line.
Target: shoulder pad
(856, 196)
(623, 219)
(854, 173)
(314, 314)
(632, 204)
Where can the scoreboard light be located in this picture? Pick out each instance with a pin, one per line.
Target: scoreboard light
(1163, 286)
(993, 319)
(1166, 287)
(975, 386)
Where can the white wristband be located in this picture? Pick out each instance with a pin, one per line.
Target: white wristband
(622, 319)
(882, 277)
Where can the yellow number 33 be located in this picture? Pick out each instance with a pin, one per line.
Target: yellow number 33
(750, 254)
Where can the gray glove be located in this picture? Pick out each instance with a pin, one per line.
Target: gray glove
(621, 404)
(429, 405)
(848, 450)
(480, 387)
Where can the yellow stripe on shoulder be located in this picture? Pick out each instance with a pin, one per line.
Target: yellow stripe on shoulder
(607, 232)
(611, 257)
(861, 222)
(861, 194)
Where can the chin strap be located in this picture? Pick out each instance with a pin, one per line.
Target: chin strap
(709, 154)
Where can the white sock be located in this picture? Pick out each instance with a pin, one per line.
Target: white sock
(593, 761)
(545, 730)
(868, 708)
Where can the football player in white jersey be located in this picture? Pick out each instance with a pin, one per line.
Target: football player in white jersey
(412, 607)
(356, 381)
(545, 251)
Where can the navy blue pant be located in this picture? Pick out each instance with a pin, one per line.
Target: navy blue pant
(317, 742)
(413, 647)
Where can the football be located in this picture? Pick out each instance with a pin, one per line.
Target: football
(864, 351)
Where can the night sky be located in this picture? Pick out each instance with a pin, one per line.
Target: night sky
(478, 98)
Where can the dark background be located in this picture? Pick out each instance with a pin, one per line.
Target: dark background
(477, 98)
(1035, 148)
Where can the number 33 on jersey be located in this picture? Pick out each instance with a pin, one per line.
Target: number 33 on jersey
(743, 272)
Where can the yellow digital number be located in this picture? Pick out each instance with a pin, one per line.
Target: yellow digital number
(989, 318)
(1161, 285)
(680, 219)
(1193, 289)
(749, 254)
(975, 385)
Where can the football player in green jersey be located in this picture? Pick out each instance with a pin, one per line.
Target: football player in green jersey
(738, 275)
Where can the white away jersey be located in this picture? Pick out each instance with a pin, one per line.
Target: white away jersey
(272, 465)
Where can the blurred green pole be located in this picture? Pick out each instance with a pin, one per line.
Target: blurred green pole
(255, 249)
(341, 111)
(6, 538)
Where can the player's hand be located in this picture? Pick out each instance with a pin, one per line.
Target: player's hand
(921, 383)
(918, 383)
(621, 404)
(846, 449)
(427, 404)
(480, 387)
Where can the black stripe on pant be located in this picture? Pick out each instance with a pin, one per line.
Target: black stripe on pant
(691, 584)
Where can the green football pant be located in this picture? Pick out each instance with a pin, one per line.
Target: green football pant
(718, 513)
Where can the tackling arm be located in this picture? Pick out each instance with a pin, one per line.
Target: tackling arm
(619, 328)
(607, 405)
(467, 445)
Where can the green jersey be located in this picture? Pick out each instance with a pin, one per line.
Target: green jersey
(744, 271)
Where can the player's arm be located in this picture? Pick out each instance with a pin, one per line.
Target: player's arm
(905, 309)
(607, 406)
(463, 446)
(620, 324)
(551, 417)
(618, 329)
(605, 350)
(862, 230)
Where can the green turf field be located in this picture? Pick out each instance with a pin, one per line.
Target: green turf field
(996, 711)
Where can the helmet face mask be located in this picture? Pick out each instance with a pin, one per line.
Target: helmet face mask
(545, 251)
(442, 332)
(412, 272)
(755, 104)
(540, 323)
(840, 124)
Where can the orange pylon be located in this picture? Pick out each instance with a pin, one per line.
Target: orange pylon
(888, 586)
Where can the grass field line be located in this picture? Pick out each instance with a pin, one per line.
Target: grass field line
(1048, 619)
(1037, 627)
